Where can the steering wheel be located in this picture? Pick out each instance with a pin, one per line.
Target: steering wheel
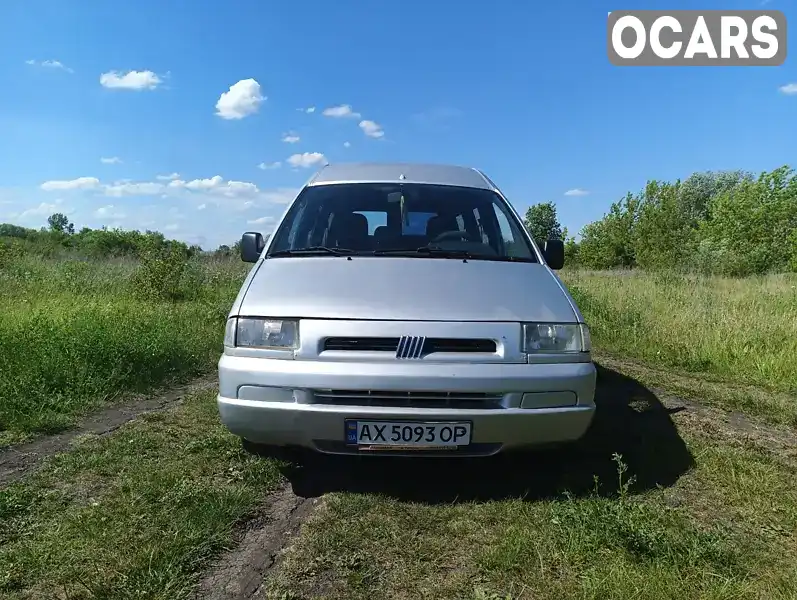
(457, 235)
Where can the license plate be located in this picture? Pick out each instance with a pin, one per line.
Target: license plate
(408, 434)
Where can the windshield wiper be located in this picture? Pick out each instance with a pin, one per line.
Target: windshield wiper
(441, 252)
(430, 250)
(312, 251)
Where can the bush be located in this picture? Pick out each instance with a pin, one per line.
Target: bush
(724, 223)
(10, 249)
(160, 274)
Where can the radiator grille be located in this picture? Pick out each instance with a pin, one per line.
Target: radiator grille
(391, 344)
(460, 400)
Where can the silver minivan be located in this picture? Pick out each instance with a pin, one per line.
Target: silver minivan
(404, 309)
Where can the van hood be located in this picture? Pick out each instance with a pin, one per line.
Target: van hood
(404, 289)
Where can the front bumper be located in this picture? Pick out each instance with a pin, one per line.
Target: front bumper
(264, 401)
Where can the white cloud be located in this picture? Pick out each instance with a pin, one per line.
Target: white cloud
(50, 64)
(81, 183)
(576, 192)
(109, 212)
(268, 166)
(261, 221)
(346, 144)
(280, 195)
(171, 227)
(217, 186)
(789, 89)
(169, 177)
(198, 184)
(290, 138)
(113, 160)
(235, 195)
(146, 188)
(372, 129)
(309, 110)
(341, 111)
(308, 159)
(45, 209)
(236, 189)
(132, 80)
(241, 100)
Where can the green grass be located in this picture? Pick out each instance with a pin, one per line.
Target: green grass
(701, 512)
(724, 530)
(742, 330)
(76, 334)
(132, 515)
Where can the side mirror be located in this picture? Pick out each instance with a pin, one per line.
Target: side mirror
(252, 244)
(554, 253)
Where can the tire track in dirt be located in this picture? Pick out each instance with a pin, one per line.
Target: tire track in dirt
(730, 425)
(16, 461)
(735, 427)
(241, 572)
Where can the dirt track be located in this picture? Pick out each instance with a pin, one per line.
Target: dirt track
(16, 461)
(240, 573)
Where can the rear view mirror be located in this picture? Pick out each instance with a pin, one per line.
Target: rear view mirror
(554, 253)
(252, 244)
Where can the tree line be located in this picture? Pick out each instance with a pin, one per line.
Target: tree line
(60, 236)
(716, 222)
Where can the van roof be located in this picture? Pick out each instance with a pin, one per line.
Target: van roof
(373, 172)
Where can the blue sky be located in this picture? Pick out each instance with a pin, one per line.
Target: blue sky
(520, 89)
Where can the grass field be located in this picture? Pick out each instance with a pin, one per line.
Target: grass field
(724, 531)
(686, 504)
(132, 515)
(743, 330)
(737, 331)
(77, 334)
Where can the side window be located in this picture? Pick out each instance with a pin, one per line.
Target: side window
(417, 223)
(375, 219)
(514, 246)
(503, 225)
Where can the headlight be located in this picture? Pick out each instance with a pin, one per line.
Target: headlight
(275, 334)
(555, 338)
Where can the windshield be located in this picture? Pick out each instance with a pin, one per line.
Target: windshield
(411, 219)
